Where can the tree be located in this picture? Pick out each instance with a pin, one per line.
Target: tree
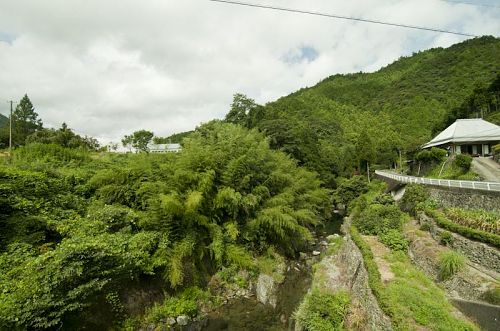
(127, 142)
(25, 121)
(138, 140)
(241, 108)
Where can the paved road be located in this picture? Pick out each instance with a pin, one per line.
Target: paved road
(486, 168)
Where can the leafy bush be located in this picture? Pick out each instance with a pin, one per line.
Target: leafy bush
(376, 219)
(463, 161)
(186, 303)
(384, 199)
(414, 194)
(435, 155)
(350, 189)
(450, 263)
(323, 311)
(445, 238)
(394, 239)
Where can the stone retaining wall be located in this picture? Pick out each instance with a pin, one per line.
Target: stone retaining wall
(477, 252)
(465, 198)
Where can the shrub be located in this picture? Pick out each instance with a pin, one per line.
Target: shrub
(377, 219)
(463, 161)
(414, 195)
(450, 263)
(433, 155)
(425, 227)
(350, 189)
(384, 199)
(492, 296)
(184, 304)
(394, 239)
(445, 238)
(323, 311)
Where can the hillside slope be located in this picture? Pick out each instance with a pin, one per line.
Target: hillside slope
(345, 121)
(4, 121)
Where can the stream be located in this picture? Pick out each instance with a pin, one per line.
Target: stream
(250, 315)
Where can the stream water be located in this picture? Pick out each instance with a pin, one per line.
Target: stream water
(250, 315)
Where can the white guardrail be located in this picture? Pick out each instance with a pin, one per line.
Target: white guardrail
(469, 184)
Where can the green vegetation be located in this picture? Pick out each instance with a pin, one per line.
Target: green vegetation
(450, 263)
(347, 122)
(323, 311)
(377, 219)
(173, 139)
(411, 297)
(78, 228)
(492, 296)
(185, 303)
(446, 238)
(479, 235)
(394, 239)
(414, 195)
(463, 161)
(478, 219)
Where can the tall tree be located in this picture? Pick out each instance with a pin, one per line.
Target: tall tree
(127, 142)
(141, 139)
(242, 111)
(25, 121)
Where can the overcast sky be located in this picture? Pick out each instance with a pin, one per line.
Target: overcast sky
(108, 68)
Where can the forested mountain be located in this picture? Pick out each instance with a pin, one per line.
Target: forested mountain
(345, 121)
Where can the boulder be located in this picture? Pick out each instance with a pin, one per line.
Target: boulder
(182, 320)
(267, 290)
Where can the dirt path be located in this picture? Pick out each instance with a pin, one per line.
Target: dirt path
(486, 168)
(379, 252)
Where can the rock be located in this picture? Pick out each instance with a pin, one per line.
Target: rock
(316, 253)
(171, 321)
(296, 269)
(303, 255)
(182, 320)
(266, 290)
(323, 243)
(283, 318)
(332, 237)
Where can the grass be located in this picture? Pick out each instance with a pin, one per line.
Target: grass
(411, 297)
(321, 311)
(452, 171)
(450, 263)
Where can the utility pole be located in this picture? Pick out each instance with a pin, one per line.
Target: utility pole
(10, 129)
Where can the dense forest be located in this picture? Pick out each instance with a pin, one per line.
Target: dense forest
(346, 121)
(82, 229)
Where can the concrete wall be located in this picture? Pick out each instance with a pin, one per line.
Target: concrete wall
(464, 198)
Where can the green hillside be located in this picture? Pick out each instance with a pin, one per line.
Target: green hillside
(338, 125)
(4, 121)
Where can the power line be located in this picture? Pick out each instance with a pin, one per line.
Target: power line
(478, 4)
(342, 17)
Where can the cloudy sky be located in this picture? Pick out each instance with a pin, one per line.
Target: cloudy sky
(110, 67)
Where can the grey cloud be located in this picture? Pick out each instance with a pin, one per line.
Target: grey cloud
(111, 67)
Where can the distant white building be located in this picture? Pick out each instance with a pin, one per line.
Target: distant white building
(164, 148)
(468, 136)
